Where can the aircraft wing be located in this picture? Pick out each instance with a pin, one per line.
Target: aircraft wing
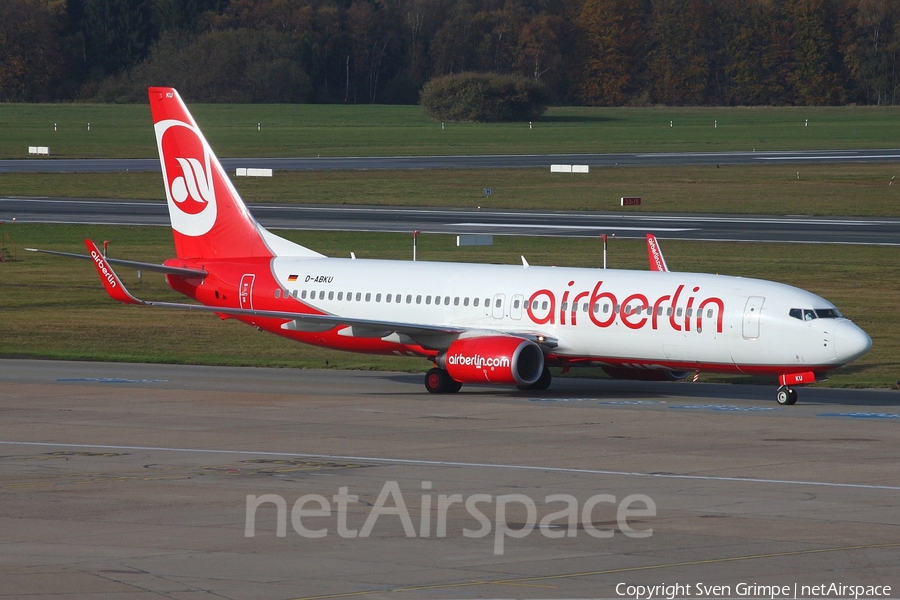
(359, 327)
(156, 268)
(654, 253)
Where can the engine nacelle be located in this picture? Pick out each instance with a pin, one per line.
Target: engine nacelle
(493, 359)
(645, 374)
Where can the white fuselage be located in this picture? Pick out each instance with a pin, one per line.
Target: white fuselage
(632, 318)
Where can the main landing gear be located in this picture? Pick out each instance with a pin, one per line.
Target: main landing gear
(438, 381)
(786, 396)
(541, 384)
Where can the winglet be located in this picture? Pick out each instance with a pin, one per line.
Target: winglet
(111, 281)
(654, 253)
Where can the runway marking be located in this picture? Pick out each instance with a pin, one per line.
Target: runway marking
(567, 227)
(723, 407)
(442, 463)
(526, 580)
(840, 158)
(110, 380)
(861, 415)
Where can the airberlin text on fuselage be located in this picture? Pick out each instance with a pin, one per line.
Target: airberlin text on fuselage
(102, 265)
(635, 311)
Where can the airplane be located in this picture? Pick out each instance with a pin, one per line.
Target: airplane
(476, 323)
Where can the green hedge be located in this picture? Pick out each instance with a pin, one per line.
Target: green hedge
(484, 97)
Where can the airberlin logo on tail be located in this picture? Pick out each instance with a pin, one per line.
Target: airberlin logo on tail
(188, 172)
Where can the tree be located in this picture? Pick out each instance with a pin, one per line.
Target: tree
(484, 97)
(32, 67)
(610, 32)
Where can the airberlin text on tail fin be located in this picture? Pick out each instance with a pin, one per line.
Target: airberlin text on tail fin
(209, 218)
(654, 253)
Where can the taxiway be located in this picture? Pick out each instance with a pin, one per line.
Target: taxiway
(133, 479)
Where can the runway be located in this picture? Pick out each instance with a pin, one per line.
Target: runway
(756, 228)
(134, 479)
(507, 161)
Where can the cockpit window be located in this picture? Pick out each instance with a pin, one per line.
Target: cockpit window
(808, 314)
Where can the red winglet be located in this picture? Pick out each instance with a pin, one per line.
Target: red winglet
(111, 281)
(654, 253)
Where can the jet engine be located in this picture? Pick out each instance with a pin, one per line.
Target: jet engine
(493, 359)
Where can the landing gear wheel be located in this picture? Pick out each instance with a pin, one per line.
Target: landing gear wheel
(542, 383)
(437, 381)
(786, 396)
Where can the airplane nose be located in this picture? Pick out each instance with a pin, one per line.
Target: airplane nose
(850, 342)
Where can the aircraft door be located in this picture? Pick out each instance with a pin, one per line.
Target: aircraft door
(497, 305)
(246, 291)
(752, 311)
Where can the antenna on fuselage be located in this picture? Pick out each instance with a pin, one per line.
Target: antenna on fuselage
(603, 237)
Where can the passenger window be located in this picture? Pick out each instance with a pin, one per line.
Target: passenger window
(659, 311)
(340, 295)
(616, 309)
(690, 312)
(303, 294)
(377, 297)
(419, 299)
(475, 302)
(278, 293)
(446, 300)
(605, 308)
(544, 305)
(456, 301)
(409, 298)
(564, 306)
(368, 296)
(498, 302)
(331, 295)
(427, 299)
(534, 305)
(678, 313)
(387, 298)
(487, 302)
(669, 312)
(466, 301)
(322, 295)
(597, 308)
(709, 313)
(358, 296)
(515, 304)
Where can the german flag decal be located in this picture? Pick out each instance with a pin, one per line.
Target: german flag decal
(292, 278)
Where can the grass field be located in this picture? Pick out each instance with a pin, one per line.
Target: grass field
(332, 130)
(827, 190)
(55, 308)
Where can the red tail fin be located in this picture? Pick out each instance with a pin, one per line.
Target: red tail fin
(209, 219)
